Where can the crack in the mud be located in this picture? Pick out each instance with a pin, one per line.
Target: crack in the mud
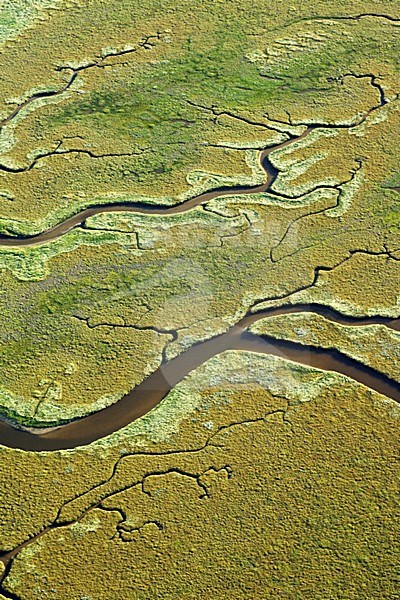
(373, 81)
(320, 211)
(156, 386)
(7, 557)
(173, 333)
(125, 325)
(357, 17)
(383, 101)
(58, 151)
(145, 43)
(241, 229)
(139, 207)
(221, 113)
(37, 96)
(323, 268)
(362, 16)
(212, 440)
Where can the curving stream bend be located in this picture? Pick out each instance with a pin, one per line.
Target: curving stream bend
(152, 390)
(144, 397)
(79, 219)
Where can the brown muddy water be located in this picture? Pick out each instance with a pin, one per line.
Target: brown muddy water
(150, 392)
(79, 219)
(153, 390)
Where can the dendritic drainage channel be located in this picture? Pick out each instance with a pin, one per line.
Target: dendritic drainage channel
(78, 219)
(154, 389)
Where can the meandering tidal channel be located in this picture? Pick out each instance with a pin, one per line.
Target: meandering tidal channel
(79, 219)
(152, 390)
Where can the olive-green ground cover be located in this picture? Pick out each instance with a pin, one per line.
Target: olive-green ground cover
(89, 324)
(16, 15)
(273, 240)
(171, 99)
(155, 108)
(276, 481)
(375, 345)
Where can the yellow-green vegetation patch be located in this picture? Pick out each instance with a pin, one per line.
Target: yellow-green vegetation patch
(181, 420)
(120, 303)
(31, 263)
(124, 282)
(266, 487)
(170, 97)
(329, 156)
(72, 362)
(264, 478)
(71, 181)
(364, 284)
(374, 345)
(16, 15)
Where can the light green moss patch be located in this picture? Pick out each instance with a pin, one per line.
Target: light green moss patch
(17, 15)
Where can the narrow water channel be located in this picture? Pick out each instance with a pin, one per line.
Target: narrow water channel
(152, 209)
(150, 392)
